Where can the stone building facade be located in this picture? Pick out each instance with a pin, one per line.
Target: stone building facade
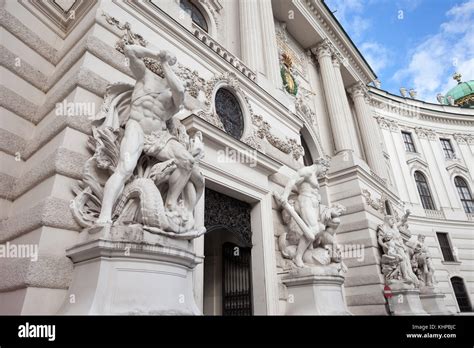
(272, 85)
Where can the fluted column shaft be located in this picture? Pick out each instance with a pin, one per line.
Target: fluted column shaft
(342, 141)
(350, 124)
(368, 129)
(250, 43)
(270, 49)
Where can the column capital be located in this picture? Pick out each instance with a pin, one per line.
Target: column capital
(387, 124)
(324, 49)
(359, 90)
(425, 133)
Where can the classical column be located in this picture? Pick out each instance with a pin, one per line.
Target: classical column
(250, 43)
(351, 125)
(368, 130)
(320, 105)
(269, 47)
(336, 111)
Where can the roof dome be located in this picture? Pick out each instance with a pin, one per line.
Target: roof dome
(461, 95)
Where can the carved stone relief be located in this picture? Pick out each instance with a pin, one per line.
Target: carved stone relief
(227, 212)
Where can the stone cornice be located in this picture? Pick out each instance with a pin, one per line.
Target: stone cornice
(415, 110)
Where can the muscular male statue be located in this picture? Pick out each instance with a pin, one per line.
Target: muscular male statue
(306, 182)
(153, 103)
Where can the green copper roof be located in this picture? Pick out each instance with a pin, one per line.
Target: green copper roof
(461, 90)
(461, 95)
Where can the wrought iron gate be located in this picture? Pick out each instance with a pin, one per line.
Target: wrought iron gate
(236, 280)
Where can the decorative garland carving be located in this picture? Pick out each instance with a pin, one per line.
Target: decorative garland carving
(286, 146)
(378, 203)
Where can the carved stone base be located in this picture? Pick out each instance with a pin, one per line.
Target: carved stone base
(433, 302)
(406, 302)
(125, 270)
(311, 292)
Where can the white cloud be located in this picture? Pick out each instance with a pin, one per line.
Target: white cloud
(352, 15)
(349, 13)
(377, 55)
(433, 62)
(408, 5)
(358, 27)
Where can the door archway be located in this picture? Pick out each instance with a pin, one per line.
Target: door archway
(227, 251)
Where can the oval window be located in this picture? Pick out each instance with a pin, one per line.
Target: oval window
(229, 111)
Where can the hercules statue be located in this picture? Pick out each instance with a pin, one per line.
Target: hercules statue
(152, 105)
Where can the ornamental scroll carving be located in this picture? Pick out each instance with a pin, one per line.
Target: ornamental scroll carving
(229, 213)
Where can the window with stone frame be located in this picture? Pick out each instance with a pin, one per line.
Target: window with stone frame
(447, 149)
(408, 140)
(445, 246)
(462, 296)
(464, 194)
(196, 14)
(424, 191)
(307, 158)
(229, 111)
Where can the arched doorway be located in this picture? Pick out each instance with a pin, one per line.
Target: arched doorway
(227, 251)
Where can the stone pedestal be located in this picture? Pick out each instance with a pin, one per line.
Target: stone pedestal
(312, 292)
(433, 302)
(131, 271)
(406, 302)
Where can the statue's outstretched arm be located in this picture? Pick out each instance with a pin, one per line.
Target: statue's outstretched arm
(135, 53)
(404, 218)
(175, 84)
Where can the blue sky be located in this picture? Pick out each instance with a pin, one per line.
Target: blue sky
(412, 43)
